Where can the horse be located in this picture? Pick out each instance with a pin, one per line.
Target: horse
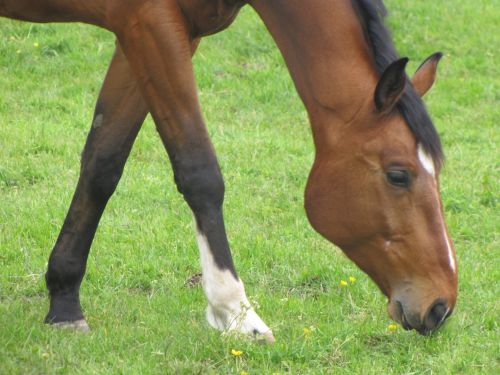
(373, 189)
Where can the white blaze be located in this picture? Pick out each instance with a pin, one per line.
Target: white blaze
(451, 259)
(428, 165)
(426, 161)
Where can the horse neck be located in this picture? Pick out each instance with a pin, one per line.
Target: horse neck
(324, 47)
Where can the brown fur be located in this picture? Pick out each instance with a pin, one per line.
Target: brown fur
(396, 235)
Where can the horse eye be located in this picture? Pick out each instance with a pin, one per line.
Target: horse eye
(398, 178)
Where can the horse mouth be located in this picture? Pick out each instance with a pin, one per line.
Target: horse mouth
(404, 323)
(402, 317)
(422, 327)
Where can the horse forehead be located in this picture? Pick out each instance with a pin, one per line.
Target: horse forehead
(426, 161)
(390, 141)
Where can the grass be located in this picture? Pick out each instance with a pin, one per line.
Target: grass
(144, 318)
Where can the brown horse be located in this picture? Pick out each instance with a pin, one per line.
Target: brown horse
(373, 189)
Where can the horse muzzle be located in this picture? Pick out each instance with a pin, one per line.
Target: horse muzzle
(433, 318)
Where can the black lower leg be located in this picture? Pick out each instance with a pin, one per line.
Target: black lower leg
(199, 179)
(100, 174)
(118, 117)
(68, 259)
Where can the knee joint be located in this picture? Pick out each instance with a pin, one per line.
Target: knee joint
(201, 186)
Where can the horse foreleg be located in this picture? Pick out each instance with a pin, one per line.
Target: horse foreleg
(119, 114)
(157, 44)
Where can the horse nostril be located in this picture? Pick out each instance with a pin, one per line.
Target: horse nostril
(436, 315)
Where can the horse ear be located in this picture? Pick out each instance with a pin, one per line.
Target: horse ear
(391, 85)
(424, 77)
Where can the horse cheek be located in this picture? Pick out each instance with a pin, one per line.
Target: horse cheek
(327, 211)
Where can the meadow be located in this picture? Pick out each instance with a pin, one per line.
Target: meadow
(144, 318)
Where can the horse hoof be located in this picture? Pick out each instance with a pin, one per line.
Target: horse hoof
(77, 325)
(267, 338)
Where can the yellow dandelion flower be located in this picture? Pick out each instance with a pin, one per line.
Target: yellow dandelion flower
(352, 279)
(306, 331)
(236, 353)
(36, 45)
(243, 373)
(343, 283)
(392, 327)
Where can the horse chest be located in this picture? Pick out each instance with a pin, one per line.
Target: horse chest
(207, 17)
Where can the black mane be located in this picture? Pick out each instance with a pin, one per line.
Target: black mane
(411, 107)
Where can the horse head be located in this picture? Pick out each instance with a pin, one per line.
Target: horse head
(374, 192)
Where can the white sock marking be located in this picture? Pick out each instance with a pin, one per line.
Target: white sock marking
(228, 306)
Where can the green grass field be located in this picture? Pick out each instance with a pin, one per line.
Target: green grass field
(144, 319)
